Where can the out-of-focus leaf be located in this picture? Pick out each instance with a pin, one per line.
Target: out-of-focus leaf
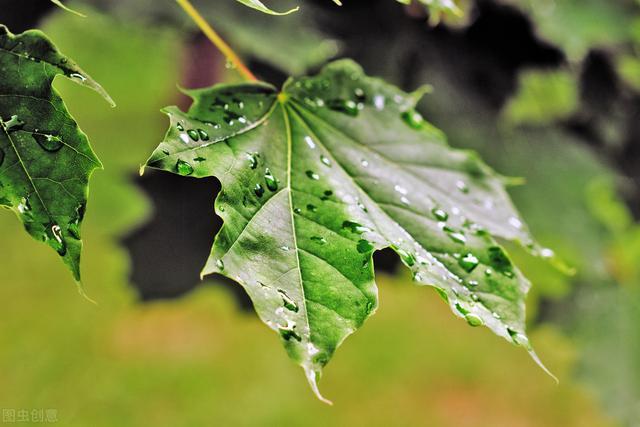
(318, 177)
(577, 25)
(290, 43)
(45, 159)
(542, 98)
(258, 5)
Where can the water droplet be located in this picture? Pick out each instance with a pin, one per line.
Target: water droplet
(468, 262)
(49, 143)
(401, 190)
(270, 180)
(179, 127)
(413, 119)
(360, 95)
(473, 320)
(324, 159)
(488, 272)
(309, 142)
(462, 186)
(364, 163)
(253, 160)
(199, 159)
(313, 175)
(363, 246)
(220, 264)
(440, 214)
(544, 252)
(203, 134)
(354, 227)
(184, 168)
(285, 248)
(297, 210)
(319, 240)
(454, 235)
(361, 206)
(288, 334)
(405, 201)
(312, 208)
(348, 107)
(258, 190)
(193, 134)
(518, 338)
(289, 304)
(472, 283)
(515, 222)
(184, 138)
(408, 258)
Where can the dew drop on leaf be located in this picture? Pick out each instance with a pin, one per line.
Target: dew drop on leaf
(364, 246)
(259, 190)
(348, 107)
(468, 262)
(184, 168)
(193, 134)
(413, 119)
(220, 264)
(312, 208)
(313, 175)
(473, 320)
(203, 135)
(325, 160)
(253, 160)
(180, 127)
(440, 214)
(270, 180)
(49, 143)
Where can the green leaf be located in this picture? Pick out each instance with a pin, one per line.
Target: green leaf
(258, 5)
(45, 159)
(318, 177)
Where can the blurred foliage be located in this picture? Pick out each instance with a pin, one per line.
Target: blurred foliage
(542, 98)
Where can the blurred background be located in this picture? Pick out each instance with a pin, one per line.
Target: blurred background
(546, 90)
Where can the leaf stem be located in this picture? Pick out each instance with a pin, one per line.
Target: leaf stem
(226, 50)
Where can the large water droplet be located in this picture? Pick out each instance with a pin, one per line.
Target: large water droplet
(193, 134)
(468, 262)
(49, 143)
(270, 180)
(184, 168)
(454, 235)
(203, 135)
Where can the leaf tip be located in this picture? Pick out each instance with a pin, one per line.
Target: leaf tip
(84, 295)
(536, 359)
(312, 378)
